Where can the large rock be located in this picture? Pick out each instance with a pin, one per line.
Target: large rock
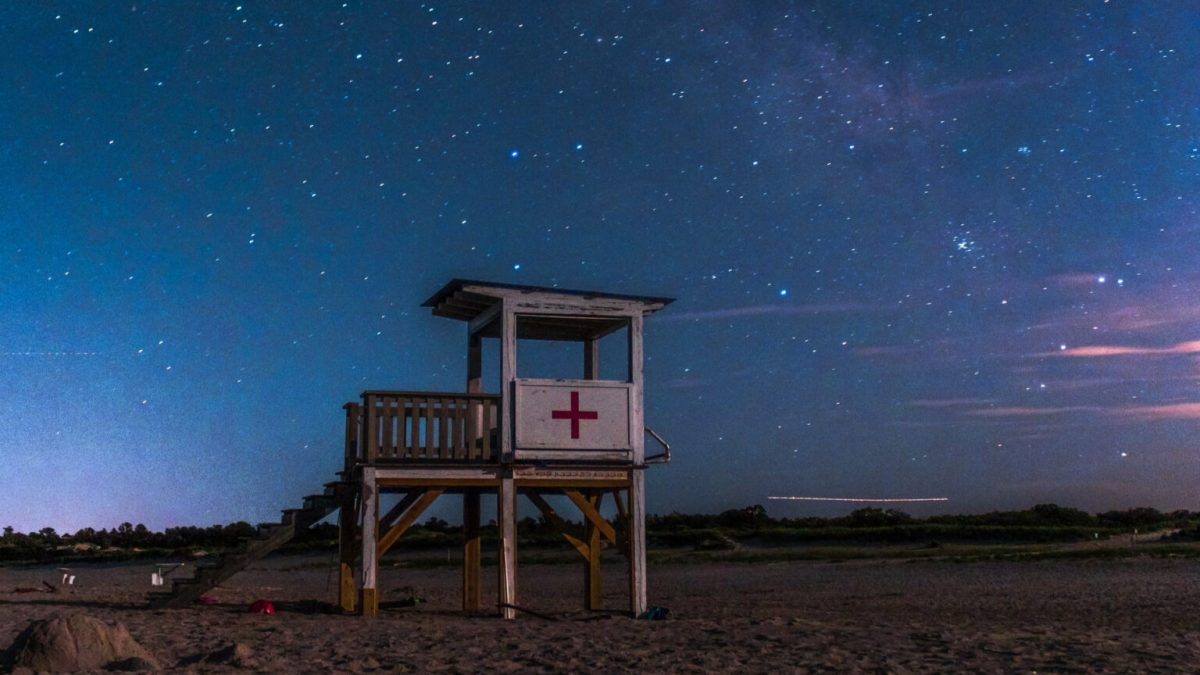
(71, 642)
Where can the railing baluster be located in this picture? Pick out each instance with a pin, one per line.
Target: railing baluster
(394, 426)
(459, 404)
(386, 446)
(411, 428)
(429, 429)
(472, 427)
(445, 412)
(352, 431)
(369, 431)
(486, 432)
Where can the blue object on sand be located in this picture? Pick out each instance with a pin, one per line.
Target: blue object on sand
(654, 614)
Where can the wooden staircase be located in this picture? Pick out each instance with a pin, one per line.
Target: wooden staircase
(185, 592)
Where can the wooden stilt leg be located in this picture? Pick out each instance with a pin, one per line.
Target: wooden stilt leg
(591, 568)
(506, 517)
(471, 551)
(347, 526)
(637, 542)
(370, 528)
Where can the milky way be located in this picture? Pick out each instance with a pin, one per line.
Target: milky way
(920, 249)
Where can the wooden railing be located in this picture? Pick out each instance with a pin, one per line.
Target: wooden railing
(416, 425)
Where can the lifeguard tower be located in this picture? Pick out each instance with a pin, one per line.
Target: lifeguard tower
(582, 438)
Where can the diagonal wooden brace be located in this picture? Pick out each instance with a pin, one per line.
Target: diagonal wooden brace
(590, 512)
(568, 531)
(389, 519)
(406, 520)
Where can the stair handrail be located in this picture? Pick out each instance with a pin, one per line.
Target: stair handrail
(663, 457)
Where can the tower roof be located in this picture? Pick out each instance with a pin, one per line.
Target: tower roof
(466, 299)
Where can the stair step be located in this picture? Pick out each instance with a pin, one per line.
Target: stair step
(269, 537)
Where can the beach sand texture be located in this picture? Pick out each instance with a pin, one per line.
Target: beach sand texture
(1135, 614)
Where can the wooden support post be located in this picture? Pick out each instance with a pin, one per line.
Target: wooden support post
(637, 542)
(508, 374)
(347, 530)
(472, 552)
(506, 518)
(591, 359)
(370, 527)
(474, 363)
(591, 567)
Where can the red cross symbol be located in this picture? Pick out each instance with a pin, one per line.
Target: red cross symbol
(574, 414)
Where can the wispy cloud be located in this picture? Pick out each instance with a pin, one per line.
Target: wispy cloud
(950, 402)
(1030, 411)
(1173, 411)
(887, 350)
(1189, 347)
(777, 310)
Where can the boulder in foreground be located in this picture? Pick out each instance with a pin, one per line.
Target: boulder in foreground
(72, 642)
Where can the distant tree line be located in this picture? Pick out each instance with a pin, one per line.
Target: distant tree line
(1044, 522)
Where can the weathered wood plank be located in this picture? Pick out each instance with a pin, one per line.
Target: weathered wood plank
(445, 423)
(591, 514)
(406, 520)
(508, 374)
(472, 552)
(591, 567)
(387, 420)
(572, 534)
(637, 543)
(506, 519)
(591, 360)
(370, 417)
(346, 554)
(486, 432)
(389, 519)
(370, 563)
(636, 409)
(352, 433)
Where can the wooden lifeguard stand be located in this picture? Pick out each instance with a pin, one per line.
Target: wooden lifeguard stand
(582, 438)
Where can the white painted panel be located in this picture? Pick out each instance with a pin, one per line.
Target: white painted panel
(573, 415)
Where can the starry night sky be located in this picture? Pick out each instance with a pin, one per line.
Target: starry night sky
(920, 249)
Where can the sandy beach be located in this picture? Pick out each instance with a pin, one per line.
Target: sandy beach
(1136, 614)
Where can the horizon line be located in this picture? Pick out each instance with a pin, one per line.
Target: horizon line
(861, 499)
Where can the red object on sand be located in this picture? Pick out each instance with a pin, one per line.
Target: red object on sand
(206, 600)
(262, 607)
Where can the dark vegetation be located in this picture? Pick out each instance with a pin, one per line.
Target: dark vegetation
(729, 530)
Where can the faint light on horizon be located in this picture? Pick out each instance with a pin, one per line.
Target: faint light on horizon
(861, 499)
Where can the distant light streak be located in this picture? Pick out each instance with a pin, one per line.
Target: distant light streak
(861, 499)
(49, 353)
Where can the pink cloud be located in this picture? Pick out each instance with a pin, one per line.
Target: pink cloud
(1024, 411)
(1189, 347)
(949, 402)
(776, 310)
(887, 350)
(1173, 411)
